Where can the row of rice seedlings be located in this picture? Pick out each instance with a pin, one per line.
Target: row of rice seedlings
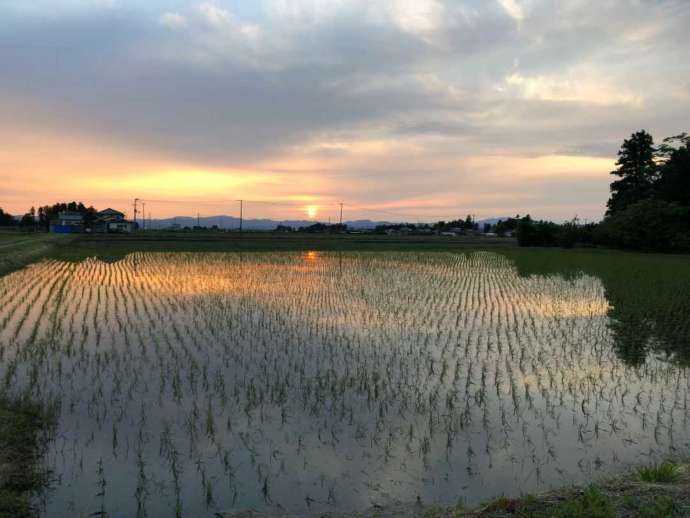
(260, 365)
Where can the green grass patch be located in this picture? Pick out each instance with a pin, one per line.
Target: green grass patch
(592, 504)
(664, 473)
(25, 429)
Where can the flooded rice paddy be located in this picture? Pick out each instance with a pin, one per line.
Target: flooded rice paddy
(190, 384)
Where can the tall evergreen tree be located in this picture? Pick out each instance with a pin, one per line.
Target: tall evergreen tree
(637, 171)
(674, 182)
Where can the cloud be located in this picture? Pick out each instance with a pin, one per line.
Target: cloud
(576, 87)
(384, 102)
(416, 16)
(173, 20)
(513, 8)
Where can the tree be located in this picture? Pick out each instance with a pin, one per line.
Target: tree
(316, 228)
(568, 233)
(674, 178)
(28, 221)
(283, 228)
(637, 171)
(537, 233)
(651, 224)
(509, 225)
(45, 214)
(6, 219)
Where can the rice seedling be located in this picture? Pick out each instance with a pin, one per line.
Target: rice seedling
(663, 473)
(301, 382)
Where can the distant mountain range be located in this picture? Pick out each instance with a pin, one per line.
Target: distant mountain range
(232, 222)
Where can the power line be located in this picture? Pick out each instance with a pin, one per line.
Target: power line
(298, 204)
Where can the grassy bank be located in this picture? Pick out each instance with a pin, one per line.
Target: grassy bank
(17, 249)
(25, 428)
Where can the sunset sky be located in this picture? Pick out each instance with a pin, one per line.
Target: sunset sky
(400, 109)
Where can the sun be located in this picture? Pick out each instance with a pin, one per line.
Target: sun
(311, 210)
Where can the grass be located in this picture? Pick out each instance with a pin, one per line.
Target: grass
(592, 504)
(632, 495)
(17, 249)
(664, 473)
(25, 427)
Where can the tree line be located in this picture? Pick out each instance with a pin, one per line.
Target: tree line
(649, 206)
(39, 219)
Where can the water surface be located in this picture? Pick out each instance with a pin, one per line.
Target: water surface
(198, 383)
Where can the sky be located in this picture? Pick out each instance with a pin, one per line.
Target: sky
(413, 110)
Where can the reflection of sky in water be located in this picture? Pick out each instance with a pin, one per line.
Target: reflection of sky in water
(326, 381)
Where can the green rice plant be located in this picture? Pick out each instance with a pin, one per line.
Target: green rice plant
(663, 473)
(592, 504)
(662, 507)
(400, 366)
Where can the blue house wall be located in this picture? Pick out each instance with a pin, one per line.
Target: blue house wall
(66, 229)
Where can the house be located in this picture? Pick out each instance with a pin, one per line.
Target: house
(111, 215)
(121, 226)
(67, 223)
(113, 221)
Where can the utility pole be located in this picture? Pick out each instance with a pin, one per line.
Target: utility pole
(198, 220)
(341, 216)
(241, 208)
(136, 201)
(143, 215)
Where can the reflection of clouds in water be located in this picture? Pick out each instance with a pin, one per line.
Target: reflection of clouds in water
(360, 377)
(226, 274)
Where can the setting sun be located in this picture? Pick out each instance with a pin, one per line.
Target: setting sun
(311, 210)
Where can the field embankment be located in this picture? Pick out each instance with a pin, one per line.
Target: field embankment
(17, 249)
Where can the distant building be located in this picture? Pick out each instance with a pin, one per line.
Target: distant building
(67, 223)
(113, 221)
(111, 215)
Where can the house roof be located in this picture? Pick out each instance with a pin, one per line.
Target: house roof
(111, 212)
